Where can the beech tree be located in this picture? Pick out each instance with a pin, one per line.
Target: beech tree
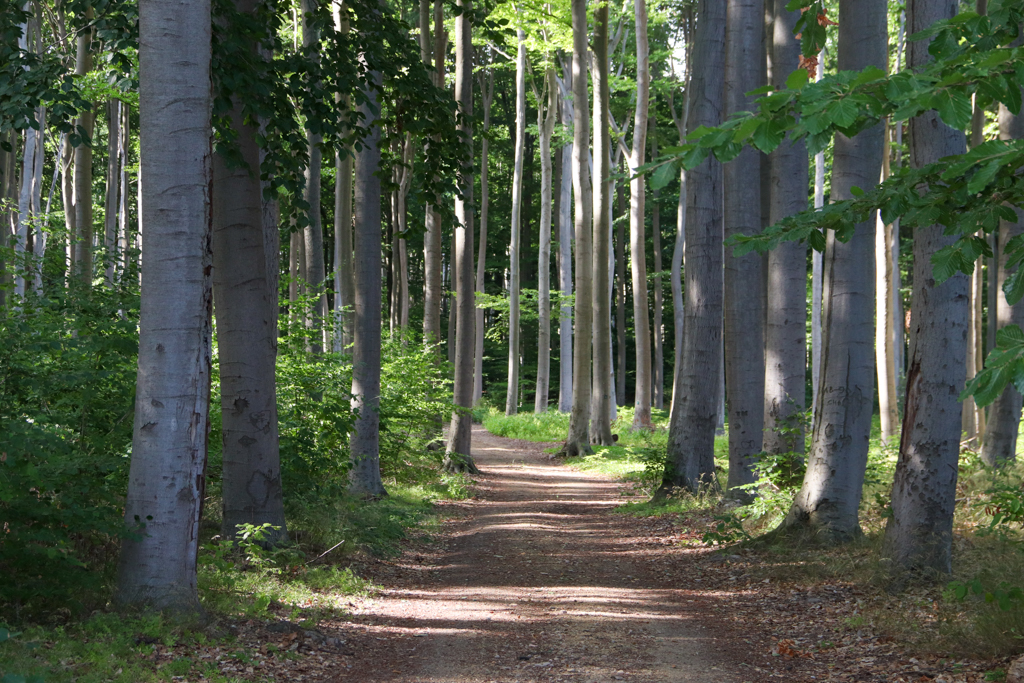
(547, 107)
(512, 392)
(158, 558)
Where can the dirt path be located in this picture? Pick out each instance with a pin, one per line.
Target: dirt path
(537, 580)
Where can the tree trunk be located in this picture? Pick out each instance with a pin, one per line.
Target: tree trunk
(246, 310)
(313, 234)
(166, 481)
(786, 328)
(487, 95)
(83, 169)
(67, 192)
(458, 455)
(919, 534)
(885, 359)
(637, 236)
(432, 275)
(620, 291)
(512, 391)
(26, 215)
(546, 128)
(113, 190)
(658, 372)
(999, 446)
(817, 275)
(690, 461)
(344, 284)
(744, 276)
(578, 439)
(364, 478)
(600, 417)
(828, 501)
(565, 251)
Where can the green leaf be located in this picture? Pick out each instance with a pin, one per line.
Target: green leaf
(664, 175)
(798, 79)
(954, 108)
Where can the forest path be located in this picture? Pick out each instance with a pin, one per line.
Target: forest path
(537, 580)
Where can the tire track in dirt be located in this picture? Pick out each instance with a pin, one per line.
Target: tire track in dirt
(538, 581)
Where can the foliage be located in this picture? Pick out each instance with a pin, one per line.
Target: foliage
(67, 377)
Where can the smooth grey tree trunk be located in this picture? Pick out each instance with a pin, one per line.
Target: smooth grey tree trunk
(919, 534)
(578, 439)
(744, 276)
(344, 282)
(827, 504)
(67, 192)
(512, 391)
(620, 291)
(690, 461)
(245, 304)
(487, 97)
(786, 325)
(166, 480)
(658, 371)
(111, 205)
(602, 397)
(458, 453)
(432, 274)
(885, 359)
(565, 250)
(83, 169)
(546, 128)
(364, 478)
(637, 232)
(999, 446)
(817, 274)
(313, 234)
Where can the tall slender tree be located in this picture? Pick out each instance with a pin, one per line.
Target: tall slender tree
(158, 559)
(313, 233)
(658, 370)
(601, 407)
(690, 461)
(578, 439)
(829, 499)
(512, 391)
(344, 280)
(637, 232)
(458, 455)
(566, 236)
(487, 98)
(919, 534)
(547, 106)
(786, 323)
(83, 165)
(432, 275)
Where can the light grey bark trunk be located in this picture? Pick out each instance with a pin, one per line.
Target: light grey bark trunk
(432, 276)
(487, 97)
(679, 249)
(26, 215)
(313, 234)
(110, 214)
(744, 276)
(344, 283)
(512, 391)
(658, 371)
(83, 170)
(67, 192)
(828, 501)
(578, 438)
(166, 480)
(817, 274)
(999, 446)
(546, 127)
(884, 320)
(364, 478)
(919, 534)
(458, 454)
(565, 251)
(690, 461)
(620, 292)
(637, 232)
(123, 226)
(7, 218)
(600, 417)
(246, 309)
(786, 325)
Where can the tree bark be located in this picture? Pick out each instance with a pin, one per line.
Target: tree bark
(344, 283)
(885, 359)
(690, 461)
(744, 276)
(246, 309)
(166, 480)
(620, 291)
(786, 324)
(919, 534)
(83, 169)
(600, 417)
(828, 501)
(578, 439)
(67, 191)
(458, 454)
(487, 97)
(546, 128)
(313, 234)
(110, 214)
(432, 275)
(999, 446)
(817, 274)
(637, 233)
(512, 391)
(658, 372)
(364, 478)
(565, 251)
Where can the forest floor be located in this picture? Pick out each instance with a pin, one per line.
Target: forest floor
(538, 579)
